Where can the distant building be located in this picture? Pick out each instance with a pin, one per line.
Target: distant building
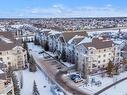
(27, 36)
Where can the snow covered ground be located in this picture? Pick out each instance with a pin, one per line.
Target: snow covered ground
(102, 31)
(106, 81)
(119, 89)
(41, 80)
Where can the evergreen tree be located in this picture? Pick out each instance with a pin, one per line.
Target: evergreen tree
(35, 89)
(63, 55)
(46, 46)
(32, 65)
(25, 45)
(16, 85)
(36, 42)
(10, 74)
(116, 69)
(124, 63)
(21, 81)
(110, 68)
(28, 56)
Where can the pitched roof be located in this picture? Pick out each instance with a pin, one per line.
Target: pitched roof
(99, 43)
(7, 41)
(68, 35)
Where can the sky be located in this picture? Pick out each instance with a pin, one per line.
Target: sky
(62, 8)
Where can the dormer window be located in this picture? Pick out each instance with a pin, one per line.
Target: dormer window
(91, 52)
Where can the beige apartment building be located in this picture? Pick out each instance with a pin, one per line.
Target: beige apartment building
(6, 85)
(11, 51)
(6, 88)
(97, 54)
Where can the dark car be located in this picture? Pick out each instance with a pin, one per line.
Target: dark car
(73, 77)
(41, 52)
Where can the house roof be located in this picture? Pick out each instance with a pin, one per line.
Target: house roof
(99, 43)
(69, 35)
(46, 31)
(76, 40)
(2, 75)
(7, 41)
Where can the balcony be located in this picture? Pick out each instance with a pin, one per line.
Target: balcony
(7, 88)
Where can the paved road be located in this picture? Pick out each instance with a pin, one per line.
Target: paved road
(69, 88)
(50, 66)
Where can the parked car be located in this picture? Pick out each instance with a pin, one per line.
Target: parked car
(41, 52)
(76, 78)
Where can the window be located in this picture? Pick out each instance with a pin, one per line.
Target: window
(99, 56)
(7, 58)
(91, 52)
(104, 49)
(0, 53)
(1, 59)
(104, 55)
(117, 54)
(98, 61)
(93, 65)
(104, 60)
(9, 63)
(109, 53)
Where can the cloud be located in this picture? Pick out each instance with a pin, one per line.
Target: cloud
(60, 10)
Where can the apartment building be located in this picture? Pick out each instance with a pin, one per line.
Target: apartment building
(6, 85)
(97, 53)
(124, 51)
(42, 36)
(11, 51)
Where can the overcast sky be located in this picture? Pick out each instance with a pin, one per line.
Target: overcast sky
(63, 8)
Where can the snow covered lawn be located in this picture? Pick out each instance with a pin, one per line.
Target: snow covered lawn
(42, 83)
(119, 89)
(105, 81)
